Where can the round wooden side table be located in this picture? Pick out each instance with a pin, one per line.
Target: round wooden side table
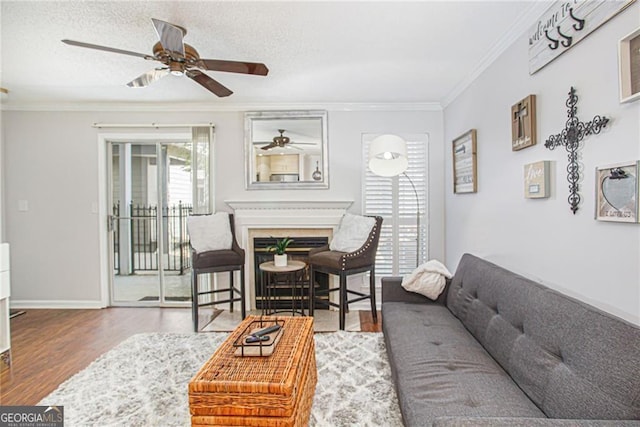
(269, 284)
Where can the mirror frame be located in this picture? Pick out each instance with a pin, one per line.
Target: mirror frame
(249, 163)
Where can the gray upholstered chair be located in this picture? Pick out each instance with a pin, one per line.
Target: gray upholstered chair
(344, 264)
(230, 260)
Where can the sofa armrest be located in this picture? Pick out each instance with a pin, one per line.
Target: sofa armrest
(392, 291)
(526, 422)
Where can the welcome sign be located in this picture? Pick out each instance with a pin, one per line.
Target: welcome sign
(564, 24)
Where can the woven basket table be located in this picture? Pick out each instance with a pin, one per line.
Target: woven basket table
(275, 390)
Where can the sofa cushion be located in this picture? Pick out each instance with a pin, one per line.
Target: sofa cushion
(441, 370)
(572, 360)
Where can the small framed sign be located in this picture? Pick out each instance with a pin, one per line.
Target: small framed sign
(617, 192)
(536, 180)
(629, 66)
(465, 174)
(523, 123)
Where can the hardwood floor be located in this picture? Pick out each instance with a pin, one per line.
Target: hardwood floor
(50, 346)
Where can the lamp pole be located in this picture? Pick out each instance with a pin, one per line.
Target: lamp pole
(417, 219)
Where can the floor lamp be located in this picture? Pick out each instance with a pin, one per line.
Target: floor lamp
(388, 157)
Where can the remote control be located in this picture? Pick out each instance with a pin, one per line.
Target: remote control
(266, 330)
(252, 338)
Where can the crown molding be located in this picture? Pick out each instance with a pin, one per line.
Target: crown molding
(212, 107)
(517, 28)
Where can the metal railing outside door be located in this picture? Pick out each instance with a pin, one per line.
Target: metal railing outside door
(143, 226)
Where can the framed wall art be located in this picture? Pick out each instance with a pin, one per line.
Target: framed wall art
(465, 174)
(629, 66)
(617, 192)
(536, 180)
(523, 123)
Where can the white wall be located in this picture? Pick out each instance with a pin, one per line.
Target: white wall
(597, 262)
(51, 161)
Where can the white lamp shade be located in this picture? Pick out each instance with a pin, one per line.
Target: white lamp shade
(388, 155)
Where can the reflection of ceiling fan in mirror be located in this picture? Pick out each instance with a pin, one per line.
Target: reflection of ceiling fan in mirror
(181, 59)
(282, 141)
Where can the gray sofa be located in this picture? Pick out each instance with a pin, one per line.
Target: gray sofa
(497, 349)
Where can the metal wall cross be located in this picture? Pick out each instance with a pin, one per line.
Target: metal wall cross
(570, 137)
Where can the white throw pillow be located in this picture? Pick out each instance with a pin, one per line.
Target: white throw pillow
(210, 232)
(352, 233)
(428, 279)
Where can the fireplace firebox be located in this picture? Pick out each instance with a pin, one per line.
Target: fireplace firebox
(297, 250)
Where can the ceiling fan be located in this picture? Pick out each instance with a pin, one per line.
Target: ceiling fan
(181, 59)
(283, 142)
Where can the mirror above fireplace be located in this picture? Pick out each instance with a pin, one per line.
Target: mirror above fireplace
(286, 150)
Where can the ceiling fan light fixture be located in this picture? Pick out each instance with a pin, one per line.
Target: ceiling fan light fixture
(176, 69)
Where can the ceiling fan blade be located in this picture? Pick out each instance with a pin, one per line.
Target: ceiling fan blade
(208, 83)
(270, 146)
(108, 49)
(255, 68)
(149, 77)
(170, 36)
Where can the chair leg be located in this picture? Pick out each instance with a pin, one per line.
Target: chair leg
(372, 290)
(311, 291)
(231, 295)
(194, 299)
(343, 299)
(243, 310)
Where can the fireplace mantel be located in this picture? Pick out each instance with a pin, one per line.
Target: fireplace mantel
(255, 218)
(288, 204)
(288, 214)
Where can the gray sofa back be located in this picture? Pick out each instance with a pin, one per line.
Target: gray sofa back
(571, 359)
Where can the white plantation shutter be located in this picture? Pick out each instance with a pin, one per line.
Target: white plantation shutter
(394, 200)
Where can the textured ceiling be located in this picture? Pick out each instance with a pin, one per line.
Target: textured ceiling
(317, 52)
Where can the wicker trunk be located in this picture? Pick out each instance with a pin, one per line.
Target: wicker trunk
(275, 390)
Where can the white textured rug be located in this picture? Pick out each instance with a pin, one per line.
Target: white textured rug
(144, 382)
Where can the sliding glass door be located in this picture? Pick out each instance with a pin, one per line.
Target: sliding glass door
(154, 186)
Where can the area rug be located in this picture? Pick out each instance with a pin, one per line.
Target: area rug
(144, 382)
(323, 320)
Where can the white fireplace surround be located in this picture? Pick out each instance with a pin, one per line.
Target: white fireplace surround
(260, 218)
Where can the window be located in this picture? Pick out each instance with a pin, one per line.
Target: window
(394, 199)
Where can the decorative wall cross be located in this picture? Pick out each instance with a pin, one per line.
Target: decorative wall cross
(570, 137)
(519, 115)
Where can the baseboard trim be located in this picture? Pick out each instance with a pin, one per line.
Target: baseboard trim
(55, 304)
